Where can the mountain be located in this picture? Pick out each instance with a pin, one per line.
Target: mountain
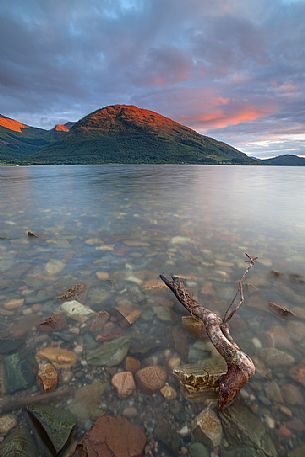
(285, 160)
(20, 141)
(127, 134)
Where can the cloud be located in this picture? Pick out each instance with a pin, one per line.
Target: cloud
(233, 69)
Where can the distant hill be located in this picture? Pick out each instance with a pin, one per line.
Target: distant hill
(118, 134)
(19, 141)
(127, 134)
(285, 160)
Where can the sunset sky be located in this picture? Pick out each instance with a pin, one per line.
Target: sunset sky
(231, 69)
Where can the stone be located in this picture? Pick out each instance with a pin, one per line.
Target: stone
(129, 313)
(276, 358)
(54, 266)
(298, 452)
(57, 423)
(124, 383)
(112, 437)
(20, 371)
(130, 411)
(292, 394)
(98, 322)
(109, 354)
(132, 364)
(14, 303)
(168, 436)
(241, 425)
(76, 310)
(174, 362)
(73, 292)
(278, 337)
(163, 313)
(298, 373)
(56, 322)
(198, 450)
(296, 330)
(7, 423)
(152, 284)
(102, 275)
(273, 392)
(48, 376)
(87, 400)
(168, 392)
(61, 358)
(152, 378)
(208, 429)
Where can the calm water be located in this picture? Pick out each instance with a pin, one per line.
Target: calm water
(129, 224)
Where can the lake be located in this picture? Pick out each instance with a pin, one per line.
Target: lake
(113, 229)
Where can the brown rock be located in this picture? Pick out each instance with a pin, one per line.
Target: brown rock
(73, 292)
(102, 275)
(208, 428)
(48, 376)
(298, 373)
(292, 394)
(168, 392)
(61, 358)
(150, 379)
(15, 303)
(130, 313)
(53, 323)
(284, 432)
(124, 383)
(132, 364)
(98, 322)
(112, 437)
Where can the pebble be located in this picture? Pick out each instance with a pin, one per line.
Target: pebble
(184, 431)
(14, 303)
(124, 383)
(174, 362)
(130, 411)
(284, 432)
(102, 275)
(54, 266)
(168, 392)
(270, 422)
(132, 364)
(292, 394)
(152, 378)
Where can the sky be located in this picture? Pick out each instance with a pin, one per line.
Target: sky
(230, 69)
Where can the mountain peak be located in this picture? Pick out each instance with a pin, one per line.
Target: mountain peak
(12, 124)
(61, 128)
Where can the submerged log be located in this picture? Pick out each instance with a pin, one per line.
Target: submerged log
(240, 366)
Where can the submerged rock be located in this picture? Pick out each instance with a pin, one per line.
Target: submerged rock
(87, 400)
(208, 429)
(54, 266)
(76, 310)
(109, 354)
(20, 371)
(276, 358)
(241, 425)
(61, 358)
(56, 423)
(48, 376)
(7, 423)
(124, 383)
(112, 437)
(150, 379)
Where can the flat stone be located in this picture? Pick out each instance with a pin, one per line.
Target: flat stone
(54, 266)
(208, 429)
(298, 373)
(102, 275)
(14, 303)
(76, 310)
(276, 358)
(87, 400)
(124, 383)
(132, 364)
(109, 354)
(61, 358)
(19, 370)
(152, 378)
(112, 437)
(292, 394)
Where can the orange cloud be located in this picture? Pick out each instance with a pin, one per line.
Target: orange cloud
(220, 118)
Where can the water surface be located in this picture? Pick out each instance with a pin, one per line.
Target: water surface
(132, 223)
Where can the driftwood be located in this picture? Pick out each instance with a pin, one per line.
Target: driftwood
(281, 310)
(240, 366)
(14, 404)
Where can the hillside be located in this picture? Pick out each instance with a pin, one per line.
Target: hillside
(127, 134)
(285, 160)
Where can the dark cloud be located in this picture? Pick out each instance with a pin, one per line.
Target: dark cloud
(232, 69)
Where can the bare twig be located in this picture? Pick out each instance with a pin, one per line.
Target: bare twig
(240, 290)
